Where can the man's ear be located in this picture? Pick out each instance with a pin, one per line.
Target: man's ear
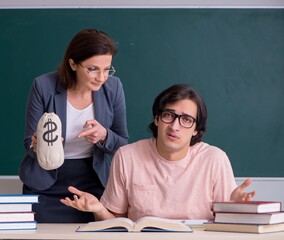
(156, 120)
(195, 133)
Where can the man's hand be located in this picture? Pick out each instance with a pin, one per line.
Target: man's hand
(240, 195)
(83, 201)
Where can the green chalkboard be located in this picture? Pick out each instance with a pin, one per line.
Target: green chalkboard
(233, 57)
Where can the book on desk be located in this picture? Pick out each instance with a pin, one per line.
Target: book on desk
(245, 228)
(251, 216)
(247, 206)
(18, 225)
(144, 224)
(18, 198)
(16, 211)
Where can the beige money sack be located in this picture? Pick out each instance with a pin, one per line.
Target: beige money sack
(49, 150)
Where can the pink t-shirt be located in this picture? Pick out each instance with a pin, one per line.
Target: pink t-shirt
(142, 183)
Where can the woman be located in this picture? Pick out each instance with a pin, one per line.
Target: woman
(90, 103)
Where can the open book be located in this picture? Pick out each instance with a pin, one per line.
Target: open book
(144, 224)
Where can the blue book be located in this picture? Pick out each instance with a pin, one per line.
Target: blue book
(18, 198)
(18, 225)
(15, 207)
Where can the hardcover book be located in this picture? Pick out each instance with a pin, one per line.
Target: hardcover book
(18, 225)
(18, 198)
(245, 228)
(149, 224)
(249, 218)
(247, 206)
(15, 207)
(17, 217)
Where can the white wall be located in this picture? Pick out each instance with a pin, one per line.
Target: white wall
(10, 184)
(267, 189)
(141, 4)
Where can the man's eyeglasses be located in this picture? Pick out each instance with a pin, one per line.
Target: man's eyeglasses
(97, 72)
(185, 120)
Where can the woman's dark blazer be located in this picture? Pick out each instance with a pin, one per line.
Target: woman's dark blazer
(47, 95)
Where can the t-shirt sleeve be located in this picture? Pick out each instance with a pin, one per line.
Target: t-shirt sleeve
(224, 182)
(115, 197)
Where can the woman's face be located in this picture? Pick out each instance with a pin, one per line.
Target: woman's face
(93, 72)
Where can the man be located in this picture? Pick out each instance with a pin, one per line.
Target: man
(172, 175)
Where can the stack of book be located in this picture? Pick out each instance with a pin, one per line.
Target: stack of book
(16, 211)
(248, 216)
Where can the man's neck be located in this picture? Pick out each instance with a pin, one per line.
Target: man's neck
(171, 155)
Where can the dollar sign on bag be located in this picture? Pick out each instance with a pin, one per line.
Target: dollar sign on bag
(48, 134)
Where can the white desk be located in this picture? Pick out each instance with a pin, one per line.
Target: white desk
(67, 231)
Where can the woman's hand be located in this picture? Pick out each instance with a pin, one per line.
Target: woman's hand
(34, 142)
(94, 132)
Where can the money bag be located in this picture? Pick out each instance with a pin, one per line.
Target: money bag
(50, 153)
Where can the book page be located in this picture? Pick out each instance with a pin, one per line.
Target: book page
(194, 222)
(160, 224)
(113, 224)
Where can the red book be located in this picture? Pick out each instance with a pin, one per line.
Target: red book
(247, 207)
(245, 228)
(249, 218)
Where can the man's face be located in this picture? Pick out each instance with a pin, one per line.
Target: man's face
(173, 140)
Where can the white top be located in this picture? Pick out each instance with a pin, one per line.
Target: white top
(77, 147)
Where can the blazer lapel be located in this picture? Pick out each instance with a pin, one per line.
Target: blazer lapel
(60, 101)
(99, 104)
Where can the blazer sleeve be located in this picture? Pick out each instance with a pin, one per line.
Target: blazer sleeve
(110, 111)
(41, 92)
(114, 117)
